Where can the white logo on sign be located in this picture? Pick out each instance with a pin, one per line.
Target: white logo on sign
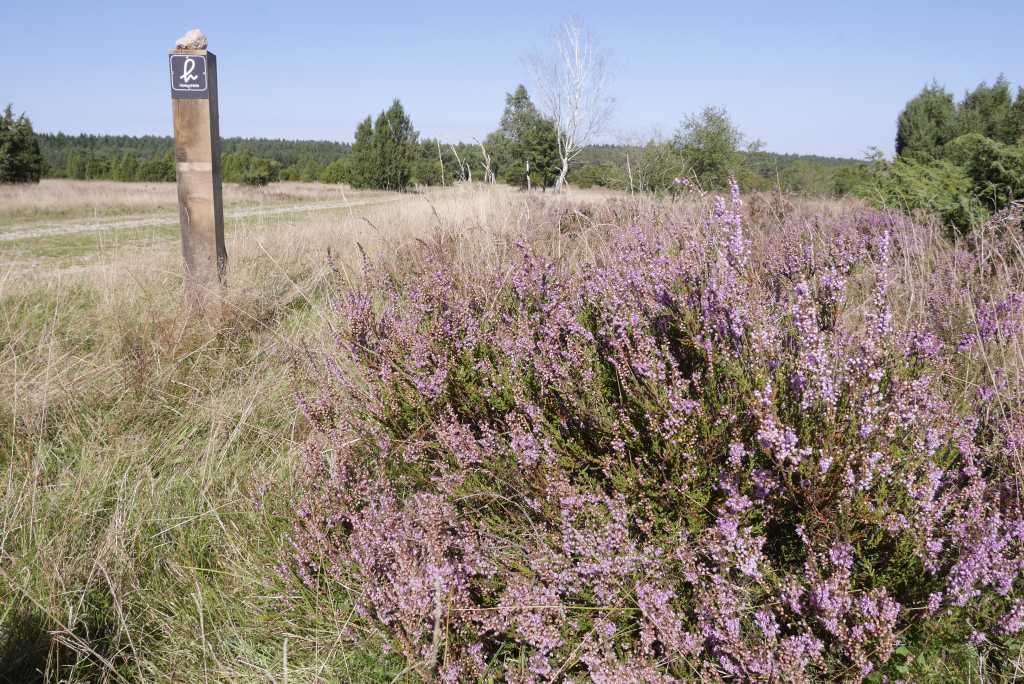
(186, 73)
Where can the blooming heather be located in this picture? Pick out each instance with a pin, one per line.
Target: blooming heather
(708, 453)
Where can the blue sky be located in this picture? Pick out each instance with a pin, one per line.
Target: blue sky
(809, 77)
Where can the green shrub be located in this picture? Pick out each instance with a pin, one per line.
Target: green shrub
(940, 188)
(242, 167)
(260, 172)
(158, 169)
(595, 175)
(337, 171)
(996, 170)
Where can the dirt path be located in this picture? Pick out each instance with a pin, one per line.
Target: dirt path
(20, 232)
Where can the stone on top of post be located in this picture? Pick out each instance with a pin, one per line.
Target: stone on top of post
(193, 40)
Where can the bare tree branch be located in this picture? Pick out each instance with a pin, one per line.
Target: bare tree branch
(573, 87)
(486, 163)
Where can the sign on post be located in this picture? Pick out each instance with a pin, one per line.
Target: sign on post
(197, 164)
(188, 76)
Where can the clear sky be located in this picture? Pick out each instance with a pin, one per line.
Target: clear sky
(810, 77)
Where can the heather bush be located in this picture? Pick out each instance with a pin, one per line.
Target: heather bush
(710, 451)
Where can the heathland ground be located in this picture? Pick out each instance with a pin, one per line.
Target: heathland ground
(152, 468)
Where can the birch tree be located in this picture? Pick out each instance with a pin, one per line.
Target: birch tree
(573, 86)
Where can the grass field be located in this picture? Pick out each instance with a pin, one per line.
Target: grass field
(148, 465)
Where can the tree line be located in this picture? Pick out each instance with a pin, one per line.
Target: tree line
(388, 153)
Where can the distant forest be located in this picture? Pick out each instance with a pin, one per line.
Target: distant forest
(59, 148)
(150, 158)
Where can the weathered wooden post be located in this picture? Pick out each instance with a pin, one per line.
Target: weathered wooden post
(197, 162)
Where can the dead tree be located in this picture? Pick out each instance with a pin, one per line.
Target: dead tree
(573, 84)
(486, 163)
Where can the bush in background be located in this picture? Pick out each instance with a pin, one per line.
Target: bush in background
(940, 188)
(242, 167)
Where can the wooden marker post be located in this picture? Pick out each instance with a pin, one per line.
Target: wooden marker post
(197, 162)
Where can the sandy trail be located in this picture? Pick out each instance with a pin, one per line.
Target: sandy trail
(35, 230)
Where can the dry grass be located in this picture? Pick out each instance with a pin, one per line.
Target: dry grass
(61, 198)
(137, 541)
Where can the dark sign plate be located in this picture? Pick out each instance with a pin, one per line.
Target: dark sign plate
(188, 76)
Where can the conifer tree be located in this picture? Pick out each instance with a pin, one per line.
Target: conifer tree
(988, 110)
(20, 159)
(525, 145)
(394, 145)
(1017, 118)
(75, 166)
(926, 124)
(127, 168)
(363, 167)
(519, 113)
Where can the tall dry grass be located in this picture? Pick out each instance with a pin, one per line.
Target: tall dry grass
(56, 197)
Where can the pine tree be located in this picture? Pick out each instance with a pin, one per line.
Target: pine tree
(519, 113)
(127, 168)
(1017, 119)
(20, 159)
(926, 124)
(394, 145)
(538, 147)
(525, 144)
(988, 110)
(363, 168)
(75, 166)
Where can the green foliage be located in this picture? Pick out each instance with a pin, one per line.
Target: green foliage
(805, 178)
(247, 169)
(849, 178)
(363, 166)
(58, 148)
(525, 144)
(927, 123)
(988, 111)
(158, 169)
(127, 167)
(940, 187)
(1017, 129)
(996, 170)
(338, 171)
(499, 148)
(538, 152)
(260, 172)
(429, 167)
(384, 153)
(519, 114)
(601, 175)
(960, 161)
(394, 148)
(20, 159)
(710, 143)
(306, 170)
(656, 168)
